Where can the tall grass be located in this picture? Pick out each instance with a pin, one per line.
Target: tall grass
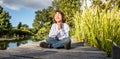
(96, 27)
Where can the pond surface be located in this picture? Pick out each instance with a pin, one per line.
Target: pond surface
(5, 44)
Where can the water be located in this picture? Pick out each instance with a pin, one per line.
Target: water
(13, 43)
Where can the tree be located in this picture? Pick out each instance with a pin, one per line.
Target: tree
(4, 19)
(43, 21)
(24, 27)
(19, 25)
(43, 17)
(36, 22)
(5, 25)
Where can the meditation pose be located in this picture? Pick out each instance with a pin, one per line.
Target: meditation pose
(59, 33)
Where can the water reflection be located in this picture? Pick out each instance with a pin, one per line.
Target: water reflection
(13, 43)
(3, 45)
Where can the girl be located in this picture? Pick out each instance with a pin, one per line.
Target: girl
(59, 33)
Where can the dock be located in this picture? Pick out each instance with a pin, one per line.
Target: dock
(33, 51)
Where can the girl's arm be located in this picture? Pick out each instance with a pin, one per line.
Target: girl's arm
(53, 32)
(64, 32)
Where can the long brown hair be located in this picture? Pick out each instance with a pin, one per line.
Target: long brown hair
(63, 16)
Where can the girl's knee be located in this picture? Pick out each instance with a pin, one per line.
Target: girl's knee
(47, 40)
(68, 39)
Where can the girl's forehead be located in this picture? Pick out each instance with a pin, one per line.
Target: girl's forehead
(57, 13)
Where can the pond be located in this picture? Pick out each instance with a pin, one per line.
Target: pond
(5, 44)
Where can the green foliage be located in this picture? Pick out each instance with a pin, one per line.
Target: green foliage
(42, 22)
(41, 34)
(5, 25)
(4, 19)
(96, 27)
(19, 25)
(42, 17)
(22, 26)
(18, 33)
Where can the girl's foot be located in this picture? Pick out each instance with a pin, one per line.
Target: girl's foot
(44, 45)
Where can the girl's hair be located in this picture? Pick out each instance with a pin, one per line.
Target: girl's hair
(62, 14)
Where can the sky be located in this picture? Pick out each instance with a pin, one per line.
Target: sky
(23, 10)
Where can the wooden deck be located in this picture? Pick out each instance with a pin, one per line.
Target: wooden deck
(33, 51)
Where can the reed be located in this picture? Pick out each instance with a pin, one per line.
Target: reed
(96, 27)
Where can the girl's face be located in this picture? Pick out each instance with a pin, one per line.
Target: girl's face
(58, 17)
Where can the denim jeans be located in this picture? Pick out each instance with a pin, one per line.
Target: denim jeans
(57, 43)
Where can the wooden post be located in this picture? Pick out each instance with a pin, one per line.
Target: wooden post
(116, 52)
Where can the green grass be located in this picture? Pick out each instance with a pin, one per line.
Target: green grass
(96, 26)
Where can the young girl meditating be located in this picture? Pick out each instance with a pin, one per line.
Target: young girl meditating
(59, 33)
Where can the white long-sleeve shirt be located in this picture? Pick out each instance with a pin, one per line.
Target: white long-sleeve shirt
(60, 34)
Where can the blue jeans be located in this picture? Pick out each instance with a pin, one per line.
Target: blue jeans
(58, 43)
